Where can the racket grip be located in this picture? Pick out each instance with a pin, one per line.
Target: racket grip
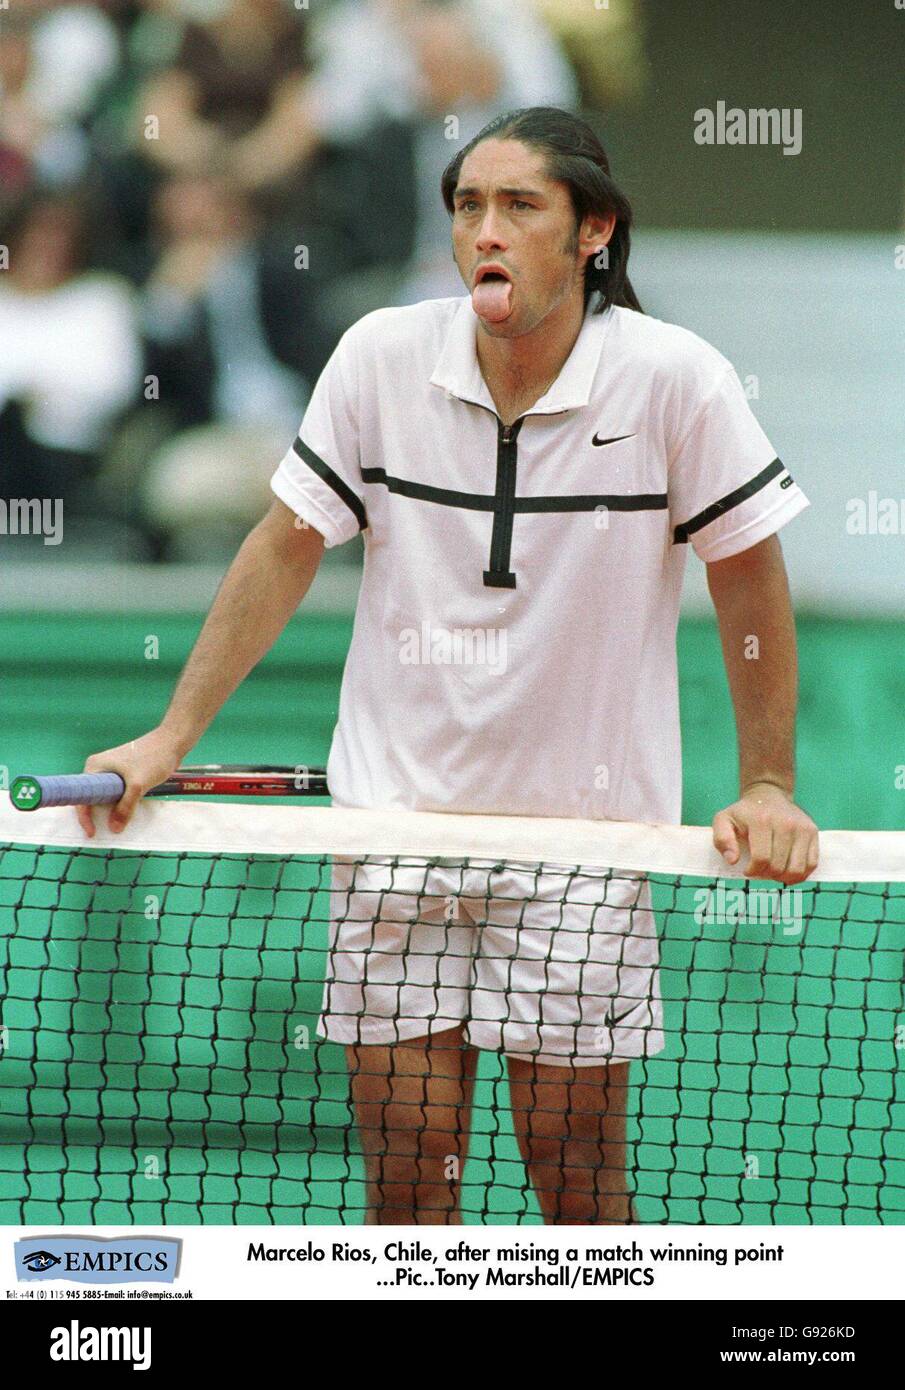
(80, 789)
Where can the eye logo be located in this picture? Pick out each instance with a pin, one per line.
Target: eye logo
(39, 1261)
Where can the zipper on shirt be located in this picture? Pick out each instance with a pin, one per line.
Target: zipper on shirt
(498, 575)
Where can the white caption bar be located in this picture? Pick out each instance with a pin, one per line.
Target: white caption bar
(487, 1263)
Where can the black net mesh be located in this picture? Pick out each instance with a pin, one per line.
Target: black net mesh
(159, 1056)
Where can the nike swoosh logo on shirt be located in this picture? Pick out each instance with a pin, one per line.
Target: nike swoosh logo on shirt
(615, 440)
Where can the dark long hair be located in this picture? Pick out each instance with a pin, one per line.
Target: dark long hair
(575, 157)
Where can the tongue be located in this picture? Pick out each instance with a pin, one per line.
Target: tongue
(491, 300)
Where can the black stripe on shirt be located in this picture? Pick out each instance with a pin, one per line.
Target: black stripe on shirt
(424, 492)
(582, 502)
(486, 502)
(726, 504)
(333, 480)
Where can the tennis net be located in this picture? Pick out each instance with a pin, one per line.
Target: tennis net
(159, 1056)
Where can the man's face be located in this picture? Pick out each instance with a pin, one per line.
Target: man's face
(508, 214)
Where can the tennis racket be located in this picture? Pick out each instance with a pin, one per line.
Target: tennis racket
(210, 779)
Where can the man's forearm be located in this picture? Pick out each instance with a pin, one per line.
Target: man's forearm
(259, 594)
(757, 630)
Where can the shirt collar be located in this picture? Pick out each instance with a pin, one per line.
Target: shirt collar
(458, 373)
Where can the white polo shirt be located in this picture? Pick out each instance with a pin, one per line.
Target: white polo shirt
(514, 641)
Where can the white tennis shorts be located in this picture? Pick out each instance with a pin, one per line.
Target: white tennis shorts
(552, 963)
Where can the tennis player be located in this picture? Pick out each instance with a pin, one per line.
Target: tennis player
(528, 466)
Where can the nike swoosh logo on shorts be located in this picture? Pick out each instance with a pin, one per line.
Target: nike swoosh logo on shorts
(610, 1022)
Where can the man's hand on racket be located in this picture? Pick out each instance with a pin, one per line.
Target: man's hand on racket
(781, 838)
(144, 763)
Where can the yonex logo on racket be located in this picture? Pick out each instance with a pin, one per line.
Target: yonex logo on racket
(25, 793)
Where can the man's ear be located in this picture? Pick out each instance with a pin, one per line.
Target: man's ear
(595, 234)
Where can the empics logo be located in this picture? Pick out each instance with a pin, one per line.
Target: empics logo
(89, 1260)
(75, 1343)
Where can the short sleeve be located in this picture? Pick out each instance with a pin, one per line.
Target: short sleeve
(319, 476)
(727, 489)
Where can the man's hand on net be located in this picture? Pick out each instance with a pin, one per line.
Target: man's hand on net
(142, 764)
(780, 837)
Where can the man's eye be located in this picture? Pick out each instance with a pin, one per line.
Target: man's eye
(467, 204)
(520, 203)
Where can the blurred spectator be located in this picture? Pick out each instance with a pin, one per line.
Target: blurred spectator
(605, 45)
(445, 67)
(71, 361)
(233, 96)
(205, 488)
(212, 310)
(219, 310)
(205, 86)
(54, 60)
(242, 96)
(288, 184)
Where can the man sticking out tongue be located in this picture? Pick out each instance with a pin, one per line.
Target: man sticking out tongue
(491, 297)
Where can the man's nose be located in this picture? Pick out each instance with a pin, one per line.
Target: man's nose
(490, 234)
